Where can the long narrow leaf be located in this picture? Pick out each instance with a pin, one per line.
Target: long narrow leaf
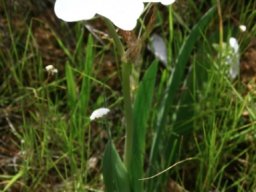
(13, 180)
(176, 78)
(86, 83)
(141, 112)
(71, 87)
(114, 171)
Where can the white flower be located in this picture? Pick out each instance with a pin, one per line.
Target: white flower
(242, 28)
(234, 44)
(98, 113)
(233, 58)
(158, 48)
(122, 13)
(51, 69)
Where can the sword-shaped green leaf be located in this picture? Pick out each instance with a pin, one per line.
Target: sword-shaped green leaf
(176, 77)
(142, 108)
(115, 175)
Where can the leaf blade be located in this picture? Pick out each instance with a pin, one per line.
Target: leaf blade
(141, 112)
(114, 171)
(176, 78)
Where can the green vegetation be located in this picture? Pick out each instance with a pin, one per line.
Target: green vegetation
(193, 127)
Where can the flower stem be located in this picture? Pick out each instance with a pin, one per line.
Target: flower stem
(126, 73)
(117, 41)
(126, 88)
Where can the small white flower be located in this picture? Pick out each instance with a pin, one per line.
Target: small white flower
(242, 28)
(55, 71)
(122, 13)
(98, 113)
(92, 162)
(51, 69)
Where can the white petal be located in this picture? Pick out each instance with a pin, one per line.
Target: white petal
(49, 67)
(74, 10)
(234, 70)
(98, 113)
(242, 28)
(158, 48)
(167, 2)
(234, 44)
(233, 58)
(122, 13)
(164, 2)
(54, 71)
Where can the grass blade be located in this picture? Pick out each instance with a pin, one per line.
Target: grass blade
(13, 180)
(86, 83)
(71, 87)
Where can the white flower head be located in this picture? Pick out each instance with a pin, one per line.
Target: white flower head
(122, 13)
(98, 113)
(55, 71)
(51, 69)
(242, 28)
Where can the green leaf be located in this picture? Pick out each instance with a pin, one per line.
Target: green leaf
(71, 87)
(86, 83)
(141, 112)
(176, 77)
(13, 180)
(114, 172)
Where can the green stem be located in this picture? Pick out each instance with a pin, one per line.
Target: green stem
(220, 24)
(117, 41)
(126, 73)
(126, 88)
